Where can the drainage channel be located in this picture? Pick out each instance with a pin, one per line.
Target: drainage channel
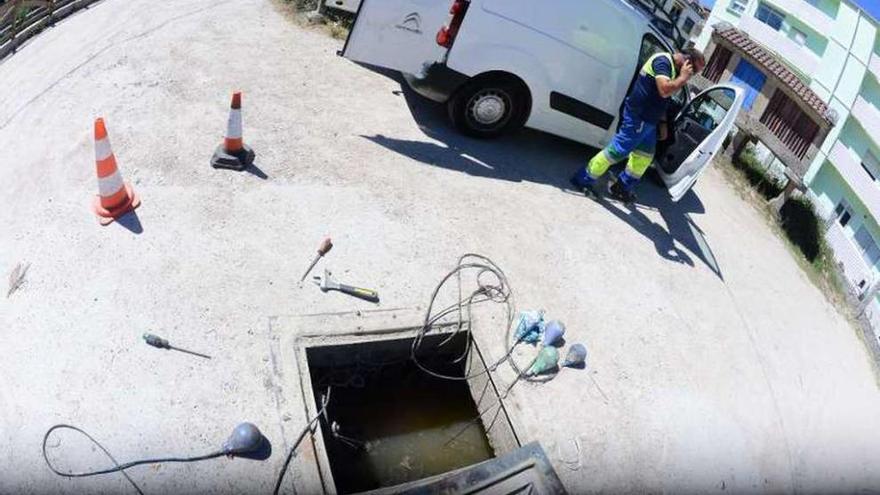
(388, 422)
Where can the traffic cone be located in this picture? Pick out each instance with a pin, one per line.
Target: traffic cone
(233, 153)
(115, 197)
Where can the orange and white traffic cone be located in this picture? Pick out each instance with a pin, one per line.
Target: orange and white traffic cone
(233, 153)
(115, 197)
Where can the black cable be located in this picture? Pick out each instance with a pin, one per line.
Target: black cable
(116, 466)
(321, 412)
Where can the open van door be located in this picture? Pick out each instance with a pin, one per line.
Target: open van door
(698, 131)
(398, 34)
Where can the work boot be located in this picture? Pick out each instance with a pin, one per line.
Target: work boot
(584, 183)
(620, 193)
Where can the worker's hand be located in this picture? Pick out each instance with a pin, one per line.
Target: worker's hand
(663, 131)
(687, 70)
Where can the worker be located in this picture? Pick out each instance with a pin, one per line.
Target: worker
(662, 75)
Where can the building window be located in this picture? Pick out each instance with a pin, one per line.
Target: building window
(798, 36)
(676, 11)
(871, 165)
(770, 16)
(842, 213)
(688, 26)
(867, 246)
(738, 7)
(869, 171)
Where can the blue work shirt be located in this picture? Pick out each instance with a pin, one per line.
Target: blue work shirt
(644, 101)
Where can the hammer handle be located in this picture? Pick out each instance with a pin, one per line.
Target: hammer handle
(365, 294)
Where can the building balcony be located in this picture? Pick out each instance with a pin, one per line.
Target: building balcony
(857, 272)
(874, 65)
(802, 59)
(806, 13)
(869, 117)
(850, 167)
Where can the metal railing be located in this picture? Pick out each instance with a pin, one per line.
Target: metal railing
(22, 19)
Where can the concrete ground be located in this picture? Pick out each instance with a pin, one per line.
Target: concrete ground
(714, 364)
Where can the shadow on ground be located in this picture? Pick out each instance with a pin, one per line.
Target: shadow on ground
(256, 171)
(541, 158)
(131, 222)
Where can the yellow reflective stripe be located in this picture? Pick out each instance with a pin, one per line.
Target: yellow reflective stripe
(599, 164)
(638, 163)
(648, 68)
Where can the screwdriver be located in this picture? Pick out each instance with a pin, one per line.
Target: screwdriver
(324, 248)
(159, 342)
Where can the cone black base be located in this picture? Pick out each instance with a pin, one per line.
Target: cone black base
(233, 161)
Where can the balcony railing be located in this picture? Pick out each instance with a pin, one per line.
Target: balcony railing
(869, 117)
(857, 272)
(874, 65)
(850, 167)
(800, 58)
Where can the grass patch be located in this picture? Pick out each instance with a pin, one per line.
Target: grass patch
(756, 174)
(801, 231)
(335, 23)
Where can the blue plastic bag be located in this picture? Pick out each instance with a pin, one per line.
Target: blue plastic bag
(546, 362)
(553, 332)
(576, 356)
(530, 326)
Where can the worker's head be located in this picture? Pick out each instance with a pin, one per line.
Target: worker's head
(692, 55)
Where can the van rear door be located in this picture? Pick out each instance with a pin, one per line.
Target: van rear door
(698, 132)
(398, 34)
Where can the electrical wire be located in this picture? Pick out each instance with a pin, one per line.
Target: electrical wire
(497, 291)
(117, 467)
(309, 426)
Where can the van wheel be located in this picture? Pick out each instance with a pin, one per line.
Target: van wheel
(490, 107)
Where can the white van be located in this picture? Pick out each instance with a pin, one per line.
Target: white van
(558, 66)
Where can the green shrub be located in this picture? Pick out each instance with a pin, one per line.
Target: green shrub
(803, 227)
(757, 175)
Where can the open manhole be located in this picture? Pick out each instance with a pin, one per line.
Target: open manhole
(390, 423)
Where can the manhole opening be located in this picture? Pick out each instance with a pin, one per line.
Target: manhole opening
(392, 423)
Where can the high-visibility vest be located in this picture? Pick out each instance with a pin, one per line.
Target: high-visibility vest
(648, 68)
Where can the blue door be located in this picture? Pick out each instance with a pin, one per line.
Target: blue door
(751, 79)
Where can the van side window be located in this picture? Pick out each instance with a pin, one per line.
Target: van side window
(650, 46)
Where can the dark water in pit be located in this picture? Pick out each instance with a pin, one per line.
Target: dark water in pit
(395, 421)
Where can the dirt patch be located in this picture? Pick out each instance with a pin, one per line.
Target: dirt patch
(822, 271)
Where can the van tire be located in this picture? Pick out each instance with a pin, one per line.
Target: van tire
(488, 107)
